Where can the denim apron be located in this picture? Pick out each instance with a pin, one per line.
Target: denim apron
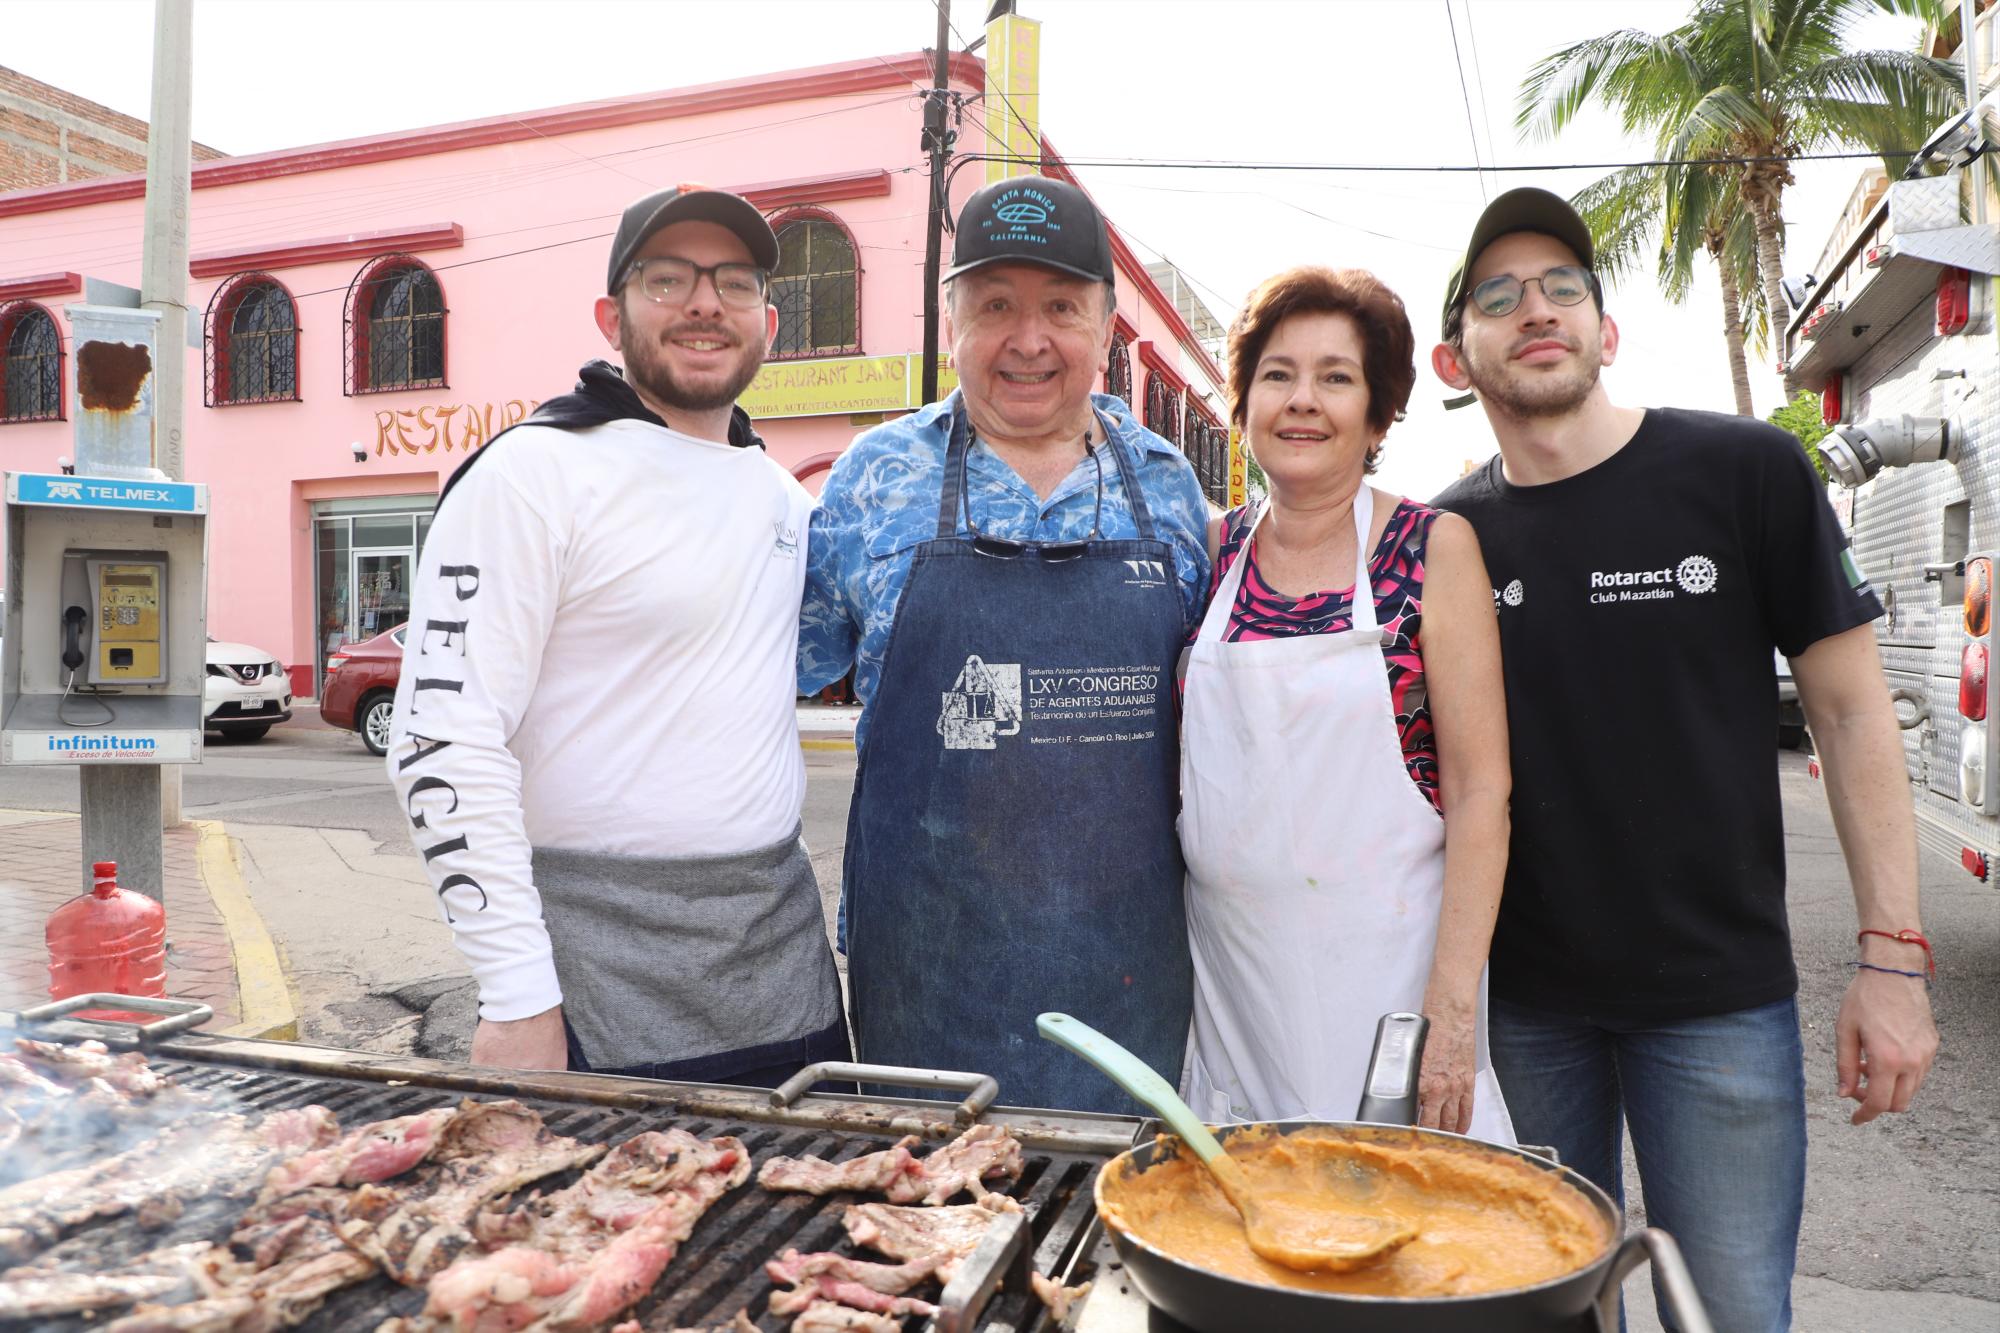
(1011, 844)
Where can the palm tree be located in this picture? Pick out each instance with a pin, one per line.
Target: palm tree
(1702, 216)
(1756, 82)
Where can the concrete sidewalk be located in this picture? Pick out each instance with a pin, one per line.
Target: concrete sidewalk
(218, 951)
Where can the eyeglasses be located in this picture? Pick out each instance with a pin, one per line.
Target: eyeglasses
(1053, 553)
(1565, 284)
(668, 281)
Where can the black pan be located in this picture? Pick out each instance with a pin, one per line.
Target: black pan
(1209, 1302)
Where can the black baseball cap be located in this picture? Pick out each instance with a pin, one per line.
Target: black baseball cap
(690, 203)
(1525, 209)
(1032, 220)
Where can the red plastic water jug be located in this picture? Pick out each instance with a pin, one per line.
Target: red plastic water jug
(109, 939)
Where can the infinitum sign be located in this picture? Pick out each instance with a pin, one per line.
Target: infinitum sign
(840, 384)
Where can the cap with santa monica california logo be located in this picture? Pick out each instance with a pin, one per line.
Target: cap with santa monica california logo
(1032, 220)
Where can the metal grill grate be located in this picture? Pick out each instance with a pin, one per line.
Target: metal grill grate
(720, 1269)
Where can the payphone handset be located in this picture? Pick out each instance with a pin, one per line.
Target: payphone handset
(114, 615)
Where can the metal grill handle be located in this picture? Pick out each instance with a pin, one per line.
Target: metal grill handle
(980, 1089)
(1690, 1316)
(176, 1015)
(1002, 1258)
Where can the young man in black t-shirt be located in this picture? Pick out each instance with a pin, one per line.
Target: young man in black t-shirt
(1645, 563)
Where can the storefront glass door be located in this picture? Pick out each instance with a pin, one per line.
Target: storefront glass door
(381, 590)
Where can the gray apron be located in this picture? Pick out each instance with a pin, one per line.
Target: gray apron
(676, 960)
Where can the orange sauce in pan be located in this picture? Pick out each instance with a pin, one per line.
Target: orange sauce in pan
(1485, 1220)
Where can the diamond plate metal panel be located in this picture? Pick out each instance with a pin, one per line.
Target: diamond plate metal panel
(1974, 248)
(1924, 205)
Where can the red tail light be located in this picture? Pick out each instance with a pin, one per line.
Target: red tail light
(1829, 402)
(1972, 682)
(335, 662)
(1954, 301)
(1978, 596)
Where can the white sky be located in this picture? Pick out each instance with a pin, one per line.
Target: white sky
(1352, 81)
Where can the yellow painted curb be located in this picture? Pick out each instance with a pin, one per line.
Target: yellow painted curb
(266, 996)
(846, 744)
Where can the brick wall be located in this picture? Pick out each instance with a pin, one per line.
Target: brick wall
(48, 136)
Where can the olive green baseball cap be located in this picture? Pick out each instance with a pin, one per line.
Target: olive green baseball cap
(1525, 209)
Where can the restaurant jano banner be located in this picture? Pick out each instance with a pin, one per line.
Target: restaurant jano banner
(840, 384)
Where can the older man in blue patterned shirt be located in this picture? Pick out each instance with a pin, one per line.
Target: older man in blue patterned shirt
(1011, 573)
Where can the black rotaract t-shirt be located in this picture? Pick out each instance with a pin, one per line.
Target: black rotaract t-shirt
(1639, 602)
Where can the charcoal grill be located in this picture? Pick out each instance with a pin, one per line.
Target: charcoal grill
(720, 1269)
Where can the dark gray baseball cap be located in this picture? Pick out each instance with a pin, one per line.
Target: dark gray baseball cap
(1525, 209)
(690, 203)
(1032, 220)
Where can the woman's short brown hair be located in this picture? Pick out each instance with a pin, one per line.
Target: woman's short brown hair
(1388, 347)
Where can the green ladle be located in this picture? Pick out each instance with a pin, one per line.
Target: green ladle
(1298, 1229)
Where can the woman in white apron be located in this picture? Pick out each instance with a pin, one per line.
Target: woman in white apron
(1344, 771)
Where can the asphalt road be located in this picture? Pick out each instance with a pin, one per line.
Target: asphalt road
(1902, 1215)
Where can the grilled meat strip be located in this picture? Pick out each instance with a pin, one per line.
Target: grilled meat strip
(942, 1237)
(826, 1317)
(205, 1153)
(580, 1257)
(296, 1257)
(43, 1293)
(850, 1295)
(246, 1298)
(885, 1172)
(487, 1151)
(79, 1062)
(982, 1153)
(794, 1269)
(373, 1152)
(1058, 1298)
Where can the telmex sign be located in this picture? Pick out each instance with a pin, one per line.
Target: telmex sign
(840, 384)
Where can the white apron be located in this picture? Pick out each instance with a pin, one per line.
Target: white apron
(1315, 867)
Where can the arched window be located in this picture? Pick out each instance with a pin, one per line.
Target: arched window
(395, 327)
(1118, 370)
(816, 288)
(251, 334)
(31, 388)
(1163, 409)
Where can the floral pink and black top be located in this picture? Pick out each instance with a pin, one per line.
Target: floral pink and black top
(1397, 570)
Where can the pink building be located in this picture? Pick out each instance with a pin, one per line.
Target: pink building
(370, 311)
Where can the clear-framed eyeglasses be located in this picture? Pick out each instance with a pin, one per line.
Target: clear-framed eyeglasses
(1565, 284)
(668, 281)
(1006, 548)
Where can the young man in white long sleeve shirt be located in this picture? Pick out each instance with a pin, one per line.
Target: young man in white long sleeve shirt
(595, 739)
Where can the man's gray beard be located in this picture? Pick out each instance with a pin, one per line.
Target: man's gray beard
(1527, 400)
(645, 371)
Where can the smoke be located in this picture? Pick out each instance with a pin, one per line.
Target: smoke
(64, 1106)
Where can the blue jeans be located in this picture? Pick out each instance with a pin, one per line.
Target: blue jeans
(1717, 1111)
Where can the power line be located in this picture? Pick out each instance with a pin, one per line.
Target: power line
(1465, 95)
(1479, 76)
(1223, 164)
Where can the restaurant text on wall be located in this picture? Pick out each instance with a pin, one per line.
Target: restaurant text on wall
(449, 426)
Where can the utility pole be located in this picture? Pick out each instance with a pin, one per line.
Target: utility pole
(127, 806)
(937, 143)
(163, 282)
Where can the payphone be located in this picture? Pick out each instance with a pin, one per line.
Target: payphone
(103, 658)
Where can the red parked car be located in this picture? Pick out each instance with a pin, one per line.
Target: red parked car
(359, 691)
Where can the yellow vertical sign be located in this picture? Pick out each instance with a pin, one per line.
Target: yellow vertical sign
(1239, 467)
(1013, 97)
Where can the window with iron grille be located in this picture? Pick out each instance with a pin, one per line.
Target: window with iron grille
(395, 327)
(1163, 409)
(31, 387)
(1118, 370)
(251, 336)
(816, 289)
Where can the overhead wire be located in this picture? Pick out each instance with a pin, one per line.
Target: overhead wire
(1465, 95)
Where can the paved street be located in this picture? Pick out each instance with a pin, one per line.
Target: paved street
(1901, 1214)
